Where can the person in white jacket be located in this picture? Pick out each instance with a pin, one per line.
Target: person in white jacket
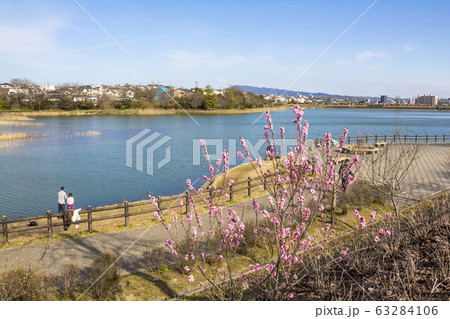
(62, 198)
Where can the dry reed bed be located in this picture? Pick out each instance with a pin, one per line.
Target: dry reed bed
(20, 123)
(88, 133)
(12, 136)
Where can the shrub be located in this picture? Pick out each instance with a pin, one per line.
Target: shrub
(105, 274)
(68, 280)
(154, 257)
(360, 193)
(22, 284)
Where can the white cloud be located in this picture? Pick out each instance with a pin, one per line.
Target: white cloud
(38, 37)
(370, 55)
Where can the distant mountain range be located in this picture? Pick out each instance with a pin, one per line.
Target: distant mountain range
(268, 91)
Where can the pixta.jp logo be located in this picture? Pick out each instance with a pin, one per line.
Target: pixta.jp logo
(144, 145)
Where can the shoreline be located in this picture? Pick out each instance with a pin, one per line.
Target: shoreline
(145, 112)
(156, 112)
(374, 108)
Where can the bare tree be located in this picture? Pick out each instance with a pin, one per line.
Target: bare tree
(391, 171)
(21, 82)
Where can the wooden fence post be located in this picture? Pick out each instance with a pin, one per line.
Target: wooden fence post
(127, 212)
(5, 230)
(187, 201)
(159, 202)
(416, 138)
(249, 186)
(385, 138)
(231, 192)
(49, 224)
(426, 141)
(405, 139)
(444, 138)
(89, 218)
(435, 138)
(376, 138)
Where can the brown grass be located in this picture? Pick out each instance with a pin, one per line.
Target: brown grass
(12, 136)
(138, 112)
(412, 264)
(12, 140)
(88, 133)
(14, 117)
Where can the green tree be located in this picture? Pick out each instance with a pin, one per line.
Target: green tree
(210, 98)
(199, 90)
(1, 103)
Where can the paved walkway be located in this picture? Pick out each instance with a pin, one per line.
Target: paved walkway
(432, 175)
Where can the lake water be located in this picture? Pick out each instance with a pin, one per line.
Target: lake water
(93, 167)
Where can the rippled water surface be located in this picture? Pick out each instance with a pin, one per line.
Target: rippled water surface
(87, 155)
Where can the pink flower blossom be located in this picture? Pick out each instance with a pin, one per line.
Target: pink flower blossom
(265, 213)
(270, 267)
(291, 296)
(376, 239)
(186, 269)
(191, 278)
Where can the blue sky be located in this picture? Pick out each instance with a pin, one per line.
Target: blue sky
(400, 47)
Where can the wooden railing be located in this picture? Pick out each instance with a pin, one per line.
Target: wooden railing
(396, 138)
(91, 215)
